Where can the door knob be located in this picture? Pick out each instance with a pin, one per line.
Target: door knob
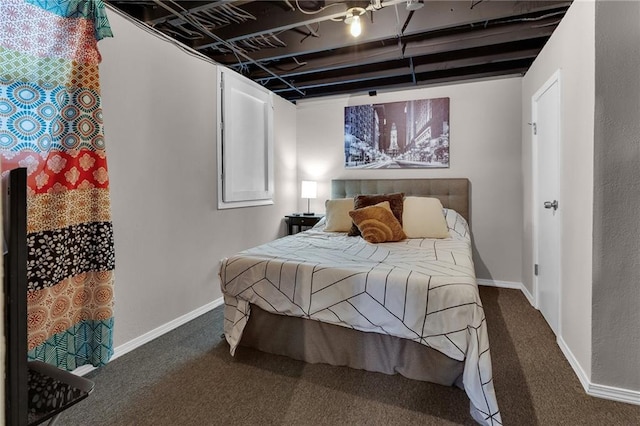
(551, 205)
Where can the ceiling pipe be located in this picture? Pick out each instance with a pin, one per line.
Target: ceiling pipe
(315, 20)
(197, 9)
(228, 45)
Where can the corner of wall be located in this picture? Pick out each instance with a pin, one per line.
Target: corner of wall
(616, 230)
(570, 50)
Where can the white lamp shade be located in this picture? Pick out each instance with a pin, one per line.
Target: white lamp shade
(309, 189)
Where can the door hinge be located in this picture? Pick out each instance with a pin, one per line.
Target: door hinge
(535, 269)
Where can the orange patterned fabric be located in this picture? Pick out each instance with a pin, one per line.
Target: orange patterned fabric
(52, 211)
(54, 309)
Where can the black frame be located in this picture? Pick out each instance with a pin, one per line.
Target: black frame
(15, 290)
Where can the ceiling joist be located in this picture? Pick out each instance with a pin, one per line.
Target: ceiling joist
(302, 49)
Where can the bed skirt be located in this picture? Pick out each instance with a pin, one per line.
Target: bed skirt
(316, 342)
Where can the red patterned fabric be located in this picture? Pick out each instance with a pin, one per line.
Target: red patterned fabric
(63, 171)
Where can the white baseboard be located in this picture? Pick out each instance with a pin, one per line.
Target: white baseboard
(507, 284)
(153, 334)
(599, 391)
(528, 295)
(615, 394)
(575, 365)
(499, 284)
(85, 369)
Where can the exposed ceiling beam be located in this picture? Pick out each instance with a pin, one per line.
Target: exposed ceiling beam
(399, 82)
(462, 38)
(435, 15)
(237, 53)
(306, 55)
(404, 67)
(158, 15)
(481, 38)
(276, 21)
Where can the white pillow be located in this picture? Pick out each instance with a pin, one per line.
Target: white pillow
(422, 217)
(337, 214)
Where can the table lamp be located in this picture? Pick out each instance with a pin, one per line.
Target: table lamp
(309, 190)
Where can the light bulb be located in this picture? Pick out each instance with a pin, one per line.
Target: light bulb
(356, 28)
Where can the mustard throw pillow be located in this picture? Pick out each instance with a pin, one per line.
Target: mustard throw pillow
(377, 224)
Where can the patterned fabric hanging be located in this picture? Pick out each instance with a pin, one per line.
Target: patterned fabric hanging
(51, 123)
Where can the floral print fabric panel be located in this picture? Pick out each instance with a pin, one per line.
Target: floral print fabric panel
(51, 123)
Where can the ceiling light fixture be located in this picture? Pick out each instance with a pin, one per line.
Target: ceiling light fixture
(352, 18)
(356, 27)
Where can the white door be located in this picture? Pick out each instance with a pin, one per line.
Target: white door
(547, 203)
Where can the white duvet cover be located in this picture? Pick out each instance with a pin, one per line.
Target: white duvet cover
(419, 289)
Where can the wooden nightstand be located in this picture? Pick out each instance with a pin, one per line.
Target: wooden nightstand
(301, 221)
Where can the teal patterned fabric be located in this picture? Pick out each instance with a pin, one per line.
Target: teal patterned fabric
(88, 342)
(93, 10)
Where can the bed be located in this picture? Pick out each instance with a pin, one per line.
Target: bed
(410, 307)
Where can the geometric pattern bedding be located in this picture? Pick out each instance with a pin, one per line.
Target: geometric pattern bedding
(419, 289)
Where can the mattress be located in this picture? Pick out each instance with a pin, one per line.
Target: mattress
(422, 290)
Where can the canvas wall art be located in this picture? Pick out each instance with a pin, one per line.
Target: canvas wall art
(400, 135)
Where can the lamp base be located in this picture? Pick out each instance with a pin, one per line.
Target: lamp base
(308, 214)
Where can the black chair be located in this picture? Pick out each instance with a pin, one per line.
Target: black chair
(52, 390)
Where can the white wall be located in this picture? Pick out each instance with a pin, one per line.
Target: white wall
(485, 147)
(571, 49)
(159, 112)
(616, 240)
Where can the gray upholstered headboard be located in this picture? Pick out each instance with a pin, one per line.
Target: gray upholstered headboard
(453, 193)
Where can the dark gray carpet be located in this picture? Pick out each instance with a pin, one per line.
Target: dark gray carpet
(187, 377)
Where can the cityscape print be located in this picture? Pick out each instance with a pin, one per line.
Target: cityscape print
(397, 135)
